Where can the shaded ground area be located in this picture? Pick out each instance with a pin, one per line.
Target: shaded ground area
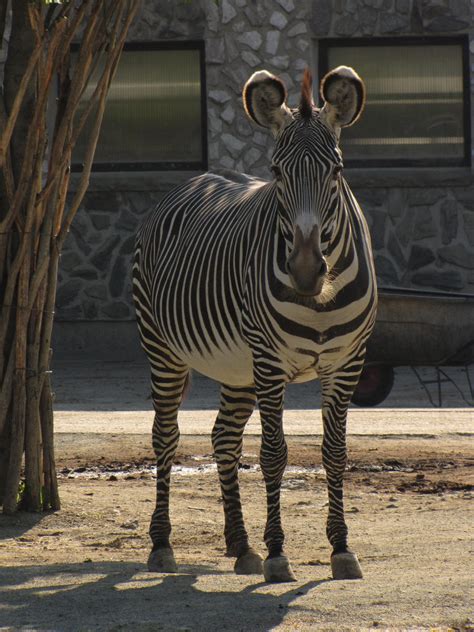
(409, 489)
(409, 504)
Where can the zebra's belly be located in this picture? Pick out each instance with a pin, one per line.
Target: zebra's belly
(233, 366)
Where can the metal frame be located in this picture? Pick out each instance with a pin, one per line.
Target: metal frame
(164, 165)
(462, 40)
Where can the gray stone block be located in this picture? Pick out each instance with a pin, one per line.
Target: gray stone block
(215, 124)
(257, 15)
(424, 224)
(97, 290)
(252, 156)
(302, 45)
(228, 115)
(120, 273)
(386, 271)
(233, 145)
(298, 29)
(468, 219)
(251, 59)
(278, 20)
(465, 197)
(346, 26)
(86, 273)
(69, 313)
(128, 246)
(68, 292)
(392, 23)
(69, 260)
(458, 255)
(396, 251)
(424, 196)
(369, 198)
(281, 62)
(140, 202)
(101, 259)
(127, 221)
(102, 201)
(215, 53)
(272, 41)
(228, 11)
(446, 25)
(420, 257)
(404, 228)
(253, 39)
(368, 20)
(403, 6)
(352, 6)
(80, 240)
(90, 309)
(377, 229)
(219, 96)
(243, 127)
(449, 220)
(100, 221)
(117, 310)
(288, 5)
(439, 279)
(231, 47)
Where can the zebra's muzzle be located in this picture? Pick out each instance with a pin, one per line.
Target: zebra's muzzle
(306, 265)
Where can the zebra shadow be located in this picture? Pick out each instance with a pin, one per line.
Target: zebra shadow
(117, 596)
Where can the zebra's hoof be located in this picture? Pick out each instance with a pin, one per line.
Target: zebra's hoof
(162, 561)
(345, 566)
(278, 569)
(249, 563)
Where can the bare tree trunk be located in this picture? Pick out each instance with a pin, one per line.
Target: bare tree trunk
(34, 220)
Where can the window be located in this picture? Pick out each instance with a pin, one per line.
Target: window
(417, 110)
(155, 115)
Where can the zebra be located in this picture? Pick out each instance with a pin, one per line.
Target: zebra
(257, 284)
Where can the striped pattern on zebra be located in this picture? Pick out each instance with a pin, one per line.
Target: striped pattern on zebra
(257, 284)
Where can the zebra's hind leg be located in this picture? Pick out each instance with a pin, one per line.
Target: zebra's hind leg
(168, 382)
(237, 404)
(337, 390)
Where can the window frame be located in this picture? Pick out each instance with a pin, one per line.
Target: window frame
(324, 45)
(162, 165)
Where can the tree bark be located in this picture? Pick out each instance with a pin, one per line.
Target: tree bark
(34, 220)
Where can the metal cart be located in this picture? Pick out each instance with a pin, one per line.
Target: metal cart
(418, 328)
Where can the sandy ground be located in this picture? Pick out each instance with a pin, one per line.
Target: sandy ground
(408, 499)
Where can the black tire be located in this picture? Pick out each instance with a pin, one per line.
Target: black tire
(375, 384)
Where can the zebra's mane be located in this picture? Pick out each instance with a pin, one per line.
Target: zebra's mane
(306, 103)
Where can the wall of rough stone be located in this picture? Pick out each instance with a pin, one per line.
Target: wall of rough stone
(422, 227)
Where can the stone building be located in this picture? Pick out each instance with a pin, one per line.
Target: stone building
(409, 161)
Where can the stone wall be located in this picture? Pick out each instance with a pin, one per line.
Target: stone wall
(422, 228)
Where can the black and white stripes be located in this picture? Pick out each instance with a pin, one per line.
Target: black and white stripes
(257, 285)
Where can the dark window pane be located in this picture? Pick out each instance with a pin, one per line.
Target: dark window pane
(153, 111)
(414, 110)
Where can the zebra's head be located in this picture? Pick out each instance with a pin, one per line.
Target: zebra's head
(307, 163)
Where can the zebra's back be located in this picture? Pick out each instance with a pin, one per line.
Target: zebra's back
(192, 257)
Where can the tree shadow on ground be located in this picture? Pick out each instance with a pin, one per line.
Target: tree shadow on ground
(13, 526)
(117, 596)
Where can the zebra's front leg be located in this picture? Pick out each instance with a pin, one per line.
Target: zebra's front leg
(273, 460)
(236, 406)
(336, 396)
(167, 389)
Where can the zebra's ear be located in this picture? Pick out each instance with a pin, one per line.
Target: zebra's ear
(343, 92)
(264, 97)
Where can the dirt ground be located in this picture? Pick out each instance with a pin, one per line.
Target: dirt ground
(409, 510)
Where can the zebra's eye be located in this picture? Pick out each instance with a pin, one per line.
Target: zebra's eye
(276, 172)
(336, 172)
